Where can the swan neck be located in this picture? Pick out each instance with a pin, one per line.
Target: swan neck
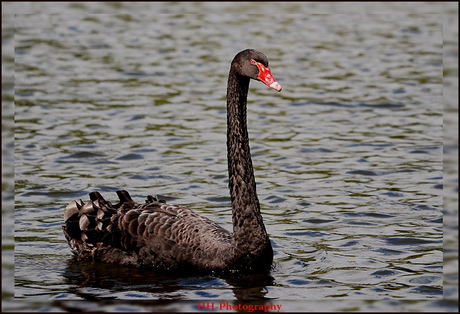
(248, 227)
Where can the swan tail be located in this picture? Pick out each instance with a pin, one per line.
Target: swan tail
(93, 227)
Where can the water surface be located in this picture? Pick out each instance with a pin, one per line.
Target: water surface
(348, 157)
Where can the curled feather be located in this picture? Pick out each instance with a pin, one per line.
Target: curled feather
(70, 210)
(87, 208)
(84, 222)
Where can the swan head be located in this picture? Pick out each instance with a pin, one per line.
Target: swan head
(254, 64)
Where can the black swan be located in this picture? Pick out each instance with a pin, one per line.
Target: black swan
(172, 237)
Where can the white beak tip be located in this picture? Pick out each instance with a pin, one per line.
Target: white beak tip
(276, 86)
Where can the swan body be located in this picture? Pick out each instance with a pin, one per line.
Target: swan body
(172, 237)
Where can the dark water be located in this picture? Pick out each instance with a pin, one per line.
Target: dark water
(348, 157)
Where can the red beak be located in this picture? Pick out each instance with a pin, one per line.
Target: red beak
(266, 77)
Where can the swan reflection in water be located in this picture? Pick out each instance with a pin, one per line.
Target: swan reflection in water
(96, 282)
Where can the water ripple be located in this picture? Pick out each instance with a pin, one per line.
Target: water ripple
(348, 157)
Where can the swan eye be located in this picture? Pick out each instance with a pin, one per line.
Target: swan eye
(253, 61)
